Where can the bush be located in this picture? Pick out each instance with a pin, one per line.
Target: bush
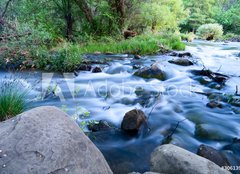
(64, 58)
(231, 37)
(210, 31)
(188, 36)
(12, 98)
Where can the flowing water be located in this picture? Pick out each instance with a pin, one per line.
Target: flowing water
(110, 94)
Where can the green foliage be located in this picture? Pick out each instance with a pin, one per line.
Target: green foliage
(157, 15)
(142, 44)
(230, 37)
(200, 12)
(12, 99)
(228, 15)
(210, 31)
(64, 58)
(188, 36)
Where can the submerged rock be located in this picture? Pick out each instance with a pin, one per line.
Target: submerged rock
(100, 126)
(144, 173)
(181, 54)
(213, 155)
(96, 70)
(46, 140)
(171, 159)
(214, 104)
(132, 121)
(151, 72)
(182, 62)
(211, 132)
(215, 77)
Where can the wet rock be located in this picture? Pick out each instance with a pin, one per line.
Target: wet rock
(84, 67)
(146, 97)
(185, 54)
(214, 104)
(137, 57)
(215, 77)
(182, 54)
(234, 146)
(96, 70)
(213, 155)
(182, 62)
(211, 132)
(99, 126)
(46, 140)
(151, 72)
(132, 121)
(144, 173)
(171, 159)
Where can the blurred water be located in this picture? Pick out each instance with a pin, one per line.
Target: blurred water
(110, 94)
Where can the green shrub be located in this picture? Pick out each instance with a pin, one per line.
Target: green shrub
(231, 37)
(12, 98)
(210, 31)
(188, 36)
(65, 58)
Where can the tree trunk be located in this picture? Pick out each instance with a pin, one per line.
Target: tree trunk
(69, 26)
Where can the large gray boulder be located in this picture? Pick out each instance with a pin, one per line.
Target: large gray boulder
(45, 141)
(171, 159)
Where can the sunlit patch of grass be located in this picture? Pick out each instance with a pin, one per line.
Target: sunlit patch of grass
(12, 98)
(142, 44)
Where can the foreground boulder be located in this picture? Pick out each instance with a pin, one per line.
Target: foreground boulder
(213, 155)
(171, 159)
(151, 72)
(132, 121)
(181, 61)
(45, 140)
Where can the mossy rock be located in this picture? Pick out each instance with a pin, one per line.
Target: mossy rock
(206, 131)
(151, 72)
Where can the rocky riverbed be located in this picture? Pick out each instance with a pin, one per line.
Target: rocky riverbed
(186, 98)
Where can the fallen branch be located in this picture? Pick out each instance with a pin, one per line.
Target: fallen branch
(169, 137)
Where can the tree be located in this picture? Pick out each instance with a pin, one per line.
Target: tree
(200, 12)
(158, 15)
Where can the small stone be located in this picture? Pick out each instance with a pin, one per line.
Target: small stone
(181, 61)
(101, 126)
(96, 70)
(85, 67)
(214, 104)
(137, 57)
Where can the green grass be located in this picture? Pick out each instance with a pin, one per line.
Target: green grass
(66, 57)
(142, 44)
(12, 99)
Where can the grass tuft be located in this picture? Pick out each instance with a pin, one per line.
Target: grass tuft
(12, 98)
